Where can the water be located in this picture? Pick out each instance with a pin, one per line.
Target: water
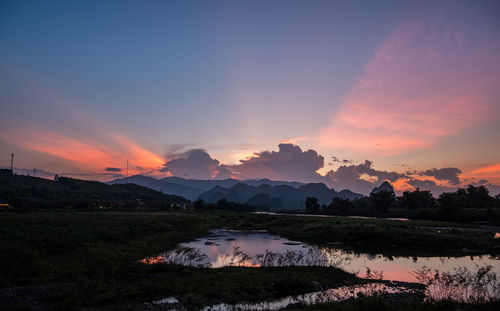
(242, 248)
(329, 295)
(457, 280)
(329, 216)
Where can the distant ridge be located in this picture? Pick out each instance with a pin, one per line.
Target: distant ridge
(23, 191)
(277, 196)
(193, 188)
(166, 187)
(207, 184)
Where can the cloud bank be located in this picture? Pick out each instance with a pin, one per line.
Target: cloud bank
(291, 163)
(359, 178)
(288, 163)
(196, 164)
(449, 174)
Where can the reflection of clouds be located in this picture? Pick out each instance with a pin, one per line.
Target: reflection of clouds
(153, 260)
(224, 260)
(335, 257)
(253, 244)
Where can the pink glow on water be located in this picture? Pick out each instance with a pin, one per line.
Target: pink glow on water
(220, 247)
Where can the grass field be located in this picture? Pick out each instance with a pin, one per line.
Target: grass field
(71, 259)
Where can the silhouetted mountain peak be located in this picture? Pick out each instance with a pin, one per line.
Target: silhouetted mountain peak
(314, 187)
(385, 186)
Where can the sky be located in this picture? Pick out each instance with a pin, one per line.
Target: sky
(349, 93)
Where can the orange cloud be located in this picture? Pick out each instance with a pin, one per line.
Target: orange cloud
(402, 185)
(495, 168)
(86, 153)
(140, 156)
(423, 83)
(489, 172)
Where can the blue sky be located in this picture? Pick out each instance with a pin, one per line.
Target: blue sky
(239, 77)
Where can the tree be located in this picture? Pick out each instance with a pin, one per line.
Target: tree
(198, 204)
(383, 200)
(479, 197)
(222, 204)
(473, 197)
(312, 205)
(338, 206)
(417, 199)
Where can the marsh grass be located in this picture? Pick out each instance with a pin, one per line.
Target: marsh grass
(373, 274)
(194, 257)
(313, 256)
(462, 285)
(89, 260)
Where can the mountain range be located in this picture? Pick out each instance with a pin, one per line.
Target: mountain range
(192, 188)
(277, 196)
(274, 194)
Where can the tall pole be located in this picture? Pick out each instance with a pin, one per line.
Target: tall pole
(12, 163)
(126, 176)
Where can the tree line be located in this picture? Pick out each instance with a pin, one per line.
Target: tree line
(470, 204)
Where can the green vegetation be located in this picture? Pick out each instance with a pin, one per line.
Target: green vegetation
(232, 285)
(225, 205)
(26, 193)
(312, 205)
(68, 259)
(398, 238)
(90, 259)
(464, 205)
(23, 192)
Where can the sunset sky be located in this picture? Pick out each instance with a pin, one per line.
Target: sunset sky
(349, 93)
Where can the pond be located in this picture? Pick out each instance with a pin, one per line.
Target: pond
(463, 279)
(259, 248)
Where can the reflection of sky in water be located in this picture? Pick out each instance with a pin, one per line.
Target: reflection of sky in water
(251, 243)
(398, 269)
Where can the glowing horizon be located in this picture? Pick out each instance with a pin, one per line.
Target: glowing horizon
(312, 92)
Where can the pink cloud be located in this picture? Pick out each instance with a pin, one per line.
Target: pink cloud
(86, 153)
(495, 168)
(425, 82)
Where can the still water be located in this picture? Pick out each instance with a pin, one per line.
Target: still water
(259, 248)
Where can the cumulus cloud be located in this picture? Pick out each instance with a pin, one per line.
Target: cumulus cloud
(449, 174)
(431, 185)
(288, 163)
(359, 178)
(291, 163)
(196, 164)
